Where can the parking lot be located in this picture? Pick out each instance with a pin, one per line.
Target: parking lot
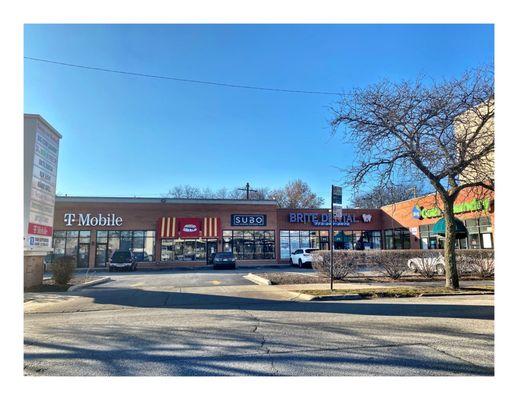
(218, 323)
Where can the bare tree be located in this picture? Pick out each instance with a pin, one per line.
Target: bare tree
(381, 195)
(297, 194)
(440, 131)
(184, 192)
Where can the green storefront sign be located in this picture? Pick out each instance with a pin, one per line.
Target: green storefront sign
(467, 206)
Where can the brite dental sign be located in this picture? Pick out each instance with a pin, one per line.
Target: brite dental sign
(89, 219)
(467, 206)
(317, 219)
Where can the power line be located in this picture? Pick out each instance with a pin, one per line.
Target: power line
(171, 78)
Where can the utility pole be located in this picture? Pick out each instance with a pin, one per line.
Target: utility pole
(248, 190)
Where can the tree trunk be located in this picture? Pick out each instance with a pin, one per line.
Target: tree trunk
(450, 263)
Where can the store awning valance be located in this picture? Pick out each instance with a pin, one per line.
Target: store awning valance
(440, 228)
(172, 227)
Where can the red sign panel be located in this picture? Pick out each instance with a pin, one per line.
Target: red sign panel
(37, 229)
(189, 227)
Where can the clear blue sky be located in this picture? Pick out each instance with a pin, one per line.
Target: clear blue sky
(126, 136)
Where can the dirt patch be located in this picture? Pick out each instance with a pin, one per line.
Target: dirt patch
(49, 285)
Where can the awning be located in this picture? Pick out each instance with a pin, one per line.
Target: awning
(173, 227)
(440, 228)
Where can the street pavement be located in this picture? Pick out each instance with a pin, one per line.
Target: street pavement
(218, 323)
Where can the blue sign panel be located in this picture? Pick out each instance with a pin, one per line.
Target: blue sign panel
(248, 220)
(416, 212)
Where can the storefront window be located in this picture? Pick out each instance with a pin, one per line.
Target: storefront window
(372, 240)
(479, 235)
(185, 250)
(250, 245)
(73, 243)
(141, 243)
(293, 240)
(398, 238)
(166, 250)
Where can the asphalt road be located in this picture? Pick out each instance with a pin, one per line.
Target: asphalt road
(215, 323)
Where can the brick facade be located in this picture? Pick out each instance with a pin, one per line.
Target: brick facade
(144, 214)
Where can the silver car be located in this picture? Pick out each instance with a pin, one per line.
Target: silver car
(430, 263)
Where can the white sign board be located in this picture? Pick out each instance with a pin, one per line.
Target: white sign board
(41, 166)
(337, 211)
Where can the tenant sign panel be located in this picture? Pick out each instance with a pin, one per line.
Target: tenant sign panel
(41, 163)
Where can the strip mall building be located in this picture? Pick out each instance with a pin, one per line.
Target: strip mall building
(185, 232)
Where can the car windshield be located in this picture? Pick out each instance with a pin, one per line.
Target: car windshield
(226, 254)
(311, 250)
(121, 256)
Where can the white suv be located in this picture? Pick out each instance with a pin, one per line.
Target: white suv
(302, 256)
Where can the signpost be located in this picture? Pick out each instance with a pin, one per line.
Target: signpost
(41, 150)
(336, 198)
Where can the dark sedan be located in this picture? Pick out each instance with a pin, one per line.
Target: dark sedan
(224, 260)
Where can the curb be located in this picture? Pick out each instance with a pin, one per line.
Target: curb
(352, 296)
(454, 294)
(301, 296)
(257, 279)
(310, 297)
(88, 284)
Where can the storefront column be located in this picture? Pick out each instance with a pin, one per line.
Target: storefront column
(92, 251)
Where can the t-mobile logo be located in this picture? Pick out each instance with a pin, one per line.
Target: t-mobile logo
(69, 219)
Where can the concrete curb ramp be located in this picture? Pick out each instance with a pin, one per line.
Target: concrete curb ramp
(310, 297)
(88, 284)
(257, 279)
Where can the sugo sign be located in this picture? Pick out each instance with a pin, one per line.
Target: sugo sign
(248, 220)
(72, 219)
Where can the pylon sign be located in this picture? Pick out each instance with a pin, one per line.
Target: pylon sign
(336, 194)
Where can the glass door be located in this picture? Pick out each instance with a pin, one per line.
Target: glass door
(212, 248)
(83, 255)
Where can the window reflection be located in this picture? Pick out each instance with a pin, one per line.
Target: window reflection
(250, 244)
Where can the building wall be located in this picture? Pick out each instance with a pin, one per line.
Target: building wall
(400, 214)
(145, 216)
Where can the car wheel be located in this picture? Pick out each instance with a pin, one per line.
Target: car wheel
(300, 263)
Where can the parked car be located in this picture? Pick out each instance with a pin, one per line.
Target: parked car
(432, 262)
(223, 260)
(141, 256)
(122, 259)
(302, 256)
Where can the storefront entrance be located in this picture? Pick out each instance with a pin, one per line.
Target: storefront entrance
(188, 250)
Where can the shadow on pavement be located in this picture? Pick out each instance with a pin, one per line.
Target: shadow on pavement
(134, 297)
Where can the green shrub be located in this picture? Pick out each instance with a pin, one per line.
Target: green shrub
(63, 269)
